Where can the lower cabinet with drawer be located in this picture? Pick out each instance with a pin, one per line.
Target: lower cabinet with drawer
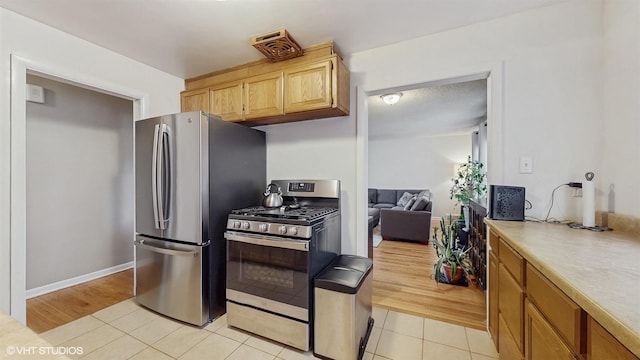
(493, 297)
(531, 318)
(541, 340)
(508, 349)
(507, 287)
(601, 345)
(535, 320)
(565, 316)
(510, 304)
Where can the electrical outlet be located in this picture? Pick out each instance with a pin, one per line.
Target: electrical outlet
(576, 192)
(526, 165)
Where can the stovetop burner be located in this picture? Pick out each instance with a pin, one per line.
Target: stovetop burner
(307, 213)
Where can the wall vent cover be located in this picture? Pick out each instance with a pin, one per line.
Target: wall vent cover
(277, 45)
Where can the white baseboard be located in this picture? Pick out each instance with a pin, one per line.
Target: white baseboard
(41, 290)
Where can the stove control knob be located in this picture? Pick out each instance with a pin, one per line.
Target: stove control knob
(263, 227)
(245, 225)
(282, 229)
(293, 230)
(236, 224)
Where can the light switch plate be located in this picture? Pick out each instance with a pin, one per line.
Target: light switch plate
(526, 165)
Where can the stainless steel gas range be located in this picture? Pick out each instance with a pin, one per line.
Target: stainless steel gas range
(273, 254)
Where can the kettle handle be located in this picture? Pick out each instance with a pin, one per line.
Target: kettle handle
(269, 191)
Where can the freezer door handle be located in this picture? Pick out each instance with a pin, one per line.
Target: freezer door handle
(141, 244)
(154, 176)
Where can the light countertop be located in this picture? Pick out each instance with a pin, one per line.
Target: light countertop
(600, 271)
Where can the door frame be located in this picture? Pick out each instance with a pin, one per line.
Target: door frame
(20, 66)
(494, 73)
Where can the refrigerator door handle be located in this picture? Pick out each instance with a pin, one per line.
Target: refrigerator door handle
(141, 244)
(164, 174)
(154, 176)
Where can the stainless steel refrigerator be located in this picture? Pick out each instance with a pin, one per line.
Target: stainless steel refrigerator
(191, 169)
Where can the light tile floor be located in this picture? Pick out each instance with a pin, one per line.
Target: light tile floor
(128, 331)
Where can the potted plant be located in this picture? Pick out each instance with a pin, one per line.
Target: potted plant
(453, 261)
(469, 183)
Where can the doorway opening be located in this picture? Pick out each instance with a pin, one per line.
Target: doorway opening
(79, 186)
(493, 73)
(415, 146)
(20, 68)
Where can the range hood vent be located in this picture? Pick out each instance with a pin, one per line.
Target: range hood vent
(277, 45)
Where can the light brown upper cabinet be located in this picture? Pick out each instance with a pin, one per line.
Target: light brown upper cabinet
(263, 96)
(195, 100)
(313, 86)
(308, 87)
(226, 101)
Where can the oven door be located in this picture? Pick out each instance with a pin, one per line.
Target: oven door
(269, 273)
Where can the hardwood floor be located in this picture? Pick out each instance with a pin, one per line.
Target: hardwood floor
(57, 308)
(403, 281)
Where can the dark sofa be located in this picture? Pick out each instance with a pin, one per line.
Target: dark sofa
(400, 220)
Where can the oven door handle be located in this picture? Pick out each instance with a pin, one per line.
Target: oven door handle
(293, 244)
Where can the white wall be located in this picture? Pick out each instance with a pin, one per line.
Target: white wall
(621, 116)
(419, 162)
(57, 50)
(79, 183)
(552, 105)
(552, 88)
(318, 149)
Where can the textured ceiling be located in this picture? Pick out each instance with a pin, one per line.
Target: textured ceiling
(429, 111)
(187, 38)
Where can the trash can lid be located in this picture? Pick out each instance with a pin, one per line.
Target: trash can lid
(340, 279)
(354, 262)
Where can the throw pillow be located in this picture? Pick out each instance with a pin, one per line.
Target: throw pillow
(426, 194)
(409, 203)
(420, 204)
(404, 199)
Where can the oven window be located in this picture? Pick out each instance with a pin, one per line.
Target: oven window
(270, 272)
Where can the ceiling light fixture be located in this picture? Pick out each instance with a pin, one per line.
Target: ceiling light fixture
(391, 98)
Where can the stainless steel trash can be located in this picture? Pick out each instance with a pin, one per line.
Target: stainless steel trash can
(342, 308)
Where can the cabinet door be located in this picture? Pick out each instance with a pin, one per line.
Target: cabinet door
(511, 304)
(226, 101)
(493, 298)
(603, 346)
(308, 87)
(263, 96)
(195, 100)
(508, 349)
(541, 341)
(562, 313)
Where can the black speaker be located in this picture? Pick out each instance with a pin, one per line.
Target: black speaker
(506, 202)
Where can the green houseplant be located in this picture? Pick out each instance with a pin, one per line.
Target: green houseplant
(469, 183)
(452, 260)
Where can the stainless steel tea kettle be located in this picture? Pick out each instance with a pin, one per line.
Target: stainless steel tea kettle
(273, 196)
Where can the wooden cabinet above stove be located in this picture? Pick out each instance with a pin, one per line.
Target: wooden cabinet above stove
(313, 86)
